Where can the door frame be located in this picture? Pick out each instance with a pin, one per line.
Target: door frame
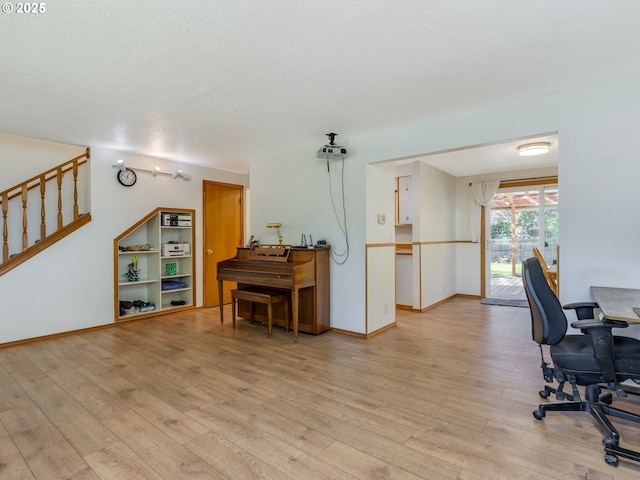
(209, 281)
(484, 241)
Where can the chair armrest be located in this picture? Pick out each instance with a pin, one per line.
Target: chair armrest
(573, 305)
(590, 323)
(602, 343)
(583, 309)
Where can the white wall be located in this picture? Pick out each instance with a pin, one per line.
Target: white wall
(22, 158)
(381, 287)
(70, 285)
(599, 172)
(434, 230)
(381, 250)
(380, 198)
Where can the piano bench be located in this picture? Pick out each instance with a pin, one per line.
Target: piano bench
(264, 296)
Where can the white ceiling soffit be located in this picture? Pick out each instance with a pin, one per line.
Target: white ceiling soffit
(484, 159)
(221, 83)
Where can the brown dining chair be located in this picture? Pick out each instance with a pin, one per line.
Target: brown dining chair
(550, 274)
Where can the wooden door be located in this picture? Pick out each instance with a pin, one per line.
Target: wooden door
(223, 231)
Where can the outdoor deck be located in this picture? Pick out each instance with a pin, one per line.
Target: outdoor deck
(507, 287)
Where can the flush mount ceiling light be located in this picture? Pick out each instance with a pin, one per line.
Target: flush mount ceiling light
(531, 149)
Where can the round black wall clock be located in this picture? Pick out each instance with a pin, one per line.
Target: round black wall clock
(127, 177)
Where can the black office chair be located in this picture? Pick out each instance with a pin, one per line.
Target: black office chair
(596, 359)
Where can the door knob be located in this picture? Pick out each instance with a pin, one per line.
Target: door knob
(209, 251)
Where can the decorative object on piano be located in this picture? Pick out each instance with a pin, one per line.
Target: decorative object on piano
(270, 253)
(304, 243)
(252, 242)
(277, 226)
(322, 243)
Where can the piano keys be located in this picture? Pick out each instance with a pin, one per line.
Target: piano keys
(305, 272)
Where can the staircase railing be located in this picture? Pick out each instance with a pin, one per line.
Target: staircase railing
(18, 213)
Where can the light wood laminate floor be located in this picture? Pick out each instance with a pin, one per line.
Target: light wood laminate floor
(446, 394)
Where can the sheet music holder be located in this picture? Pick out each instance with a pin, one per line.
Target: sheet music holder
(270, 253)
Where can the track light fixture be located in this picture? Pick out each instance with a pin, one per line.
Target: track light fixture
(180, 173)
(155, 172)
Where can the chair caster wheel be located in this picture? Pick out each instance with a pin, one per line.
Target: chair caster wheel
(611, 459)
(543, 394)
(538, 414)
(606, 398)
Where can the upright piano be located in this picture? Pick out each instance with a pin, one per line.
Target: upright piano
(304, 271)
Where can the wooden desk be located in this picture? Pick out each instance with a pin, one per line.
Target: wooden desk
(617, 303)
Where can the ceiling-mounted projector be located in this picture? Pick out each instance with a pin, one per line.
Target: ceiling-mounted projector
(331, 150)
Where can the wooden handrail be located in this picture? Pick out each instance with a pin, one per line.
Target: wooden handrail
(22, 190)
(48, 175)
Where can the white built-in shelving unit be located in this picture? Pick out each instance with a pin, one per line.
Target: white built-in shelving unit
(154, 265)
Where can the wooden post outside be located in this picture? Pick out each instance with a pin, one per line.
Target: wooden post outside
(514, 244)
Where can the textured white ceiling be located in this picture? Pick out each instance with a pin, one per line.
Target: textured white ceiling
(219, 83)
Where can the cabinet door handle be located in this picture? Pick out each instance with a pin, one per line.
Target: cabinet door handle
(209, 252)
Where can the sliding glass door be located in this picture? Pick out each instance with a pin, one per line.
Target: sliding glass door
(519, 219)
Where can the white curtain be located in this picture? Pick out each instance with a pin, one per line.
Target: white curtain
(480, 195)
